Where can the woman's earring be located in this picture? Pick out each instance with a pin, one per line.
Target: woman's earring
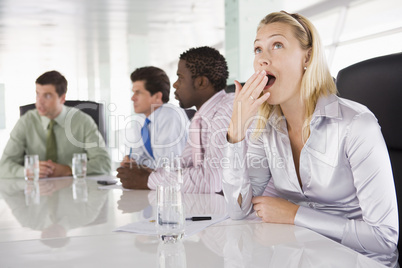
(305, 68)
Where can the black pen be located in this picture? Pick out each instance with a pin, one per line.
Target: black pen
(198, 218)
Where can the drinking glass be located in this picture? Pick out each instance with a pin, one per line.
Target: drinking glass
(79, 165)
(170, 215)
(31, 167)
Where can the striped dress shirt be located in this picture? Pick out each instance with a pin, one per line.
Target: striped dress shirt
(205, 177)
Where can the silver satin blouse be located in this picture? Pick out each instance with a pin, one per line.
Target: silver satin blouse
(348, 191)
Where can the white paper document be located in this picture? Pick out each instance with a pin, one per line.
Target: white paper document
(192, 227)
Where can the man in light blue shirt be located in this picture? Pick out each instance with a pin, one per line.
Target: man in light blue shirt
(163, 133)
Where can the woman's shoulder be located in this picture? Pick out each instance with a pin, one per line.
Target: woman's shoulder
(352, 105)
(354, 110)
(343, 110)
(333, 106)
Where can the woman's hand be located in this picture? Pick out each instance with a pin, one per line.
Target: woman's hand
(246, 103)
(275, 209)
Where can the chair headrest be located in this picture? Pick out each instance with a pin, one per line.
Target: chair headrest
(377, 84)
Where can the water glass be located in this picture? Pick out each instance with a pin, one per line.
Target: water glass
(170, 220)
(31, 167)
(79, 165)
(80, 191)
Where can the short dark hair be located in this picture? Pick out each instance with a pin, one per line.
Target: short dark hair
(156, 80)
(53, 78)
(208, 62)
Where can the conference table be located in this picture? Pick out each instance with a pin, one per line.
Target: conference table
(62, 222)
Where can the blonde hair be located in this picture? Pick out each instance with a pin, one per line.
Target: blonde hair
(317, 80)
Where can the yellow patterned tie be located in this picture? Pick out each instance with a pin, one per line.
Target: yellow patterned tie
(51, 146)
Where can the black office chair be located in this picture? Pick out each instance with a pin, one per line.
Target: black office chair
(377, 84)
(94, 109)
(232, 87)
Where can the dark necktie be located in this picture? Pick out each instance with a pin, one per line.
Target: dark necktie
(146, 137)
(51, 146)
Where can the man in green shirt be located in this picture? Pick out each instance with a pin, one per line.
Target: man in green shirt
(54, 132)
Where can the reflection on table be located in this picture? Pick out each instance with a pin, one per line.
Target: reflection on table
(54, 206)
(75, 228)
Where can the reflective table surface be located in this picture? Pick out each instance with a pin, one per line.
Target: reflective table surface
(64, 223)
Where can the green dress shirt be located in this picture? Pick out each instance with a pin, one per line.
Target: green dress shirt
(76, 132)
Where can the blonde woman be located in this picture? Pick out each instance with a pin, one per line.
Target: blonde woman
(325, 156)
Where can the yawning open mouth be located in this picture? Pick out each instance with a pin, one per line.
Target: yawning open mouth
(271, 80)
